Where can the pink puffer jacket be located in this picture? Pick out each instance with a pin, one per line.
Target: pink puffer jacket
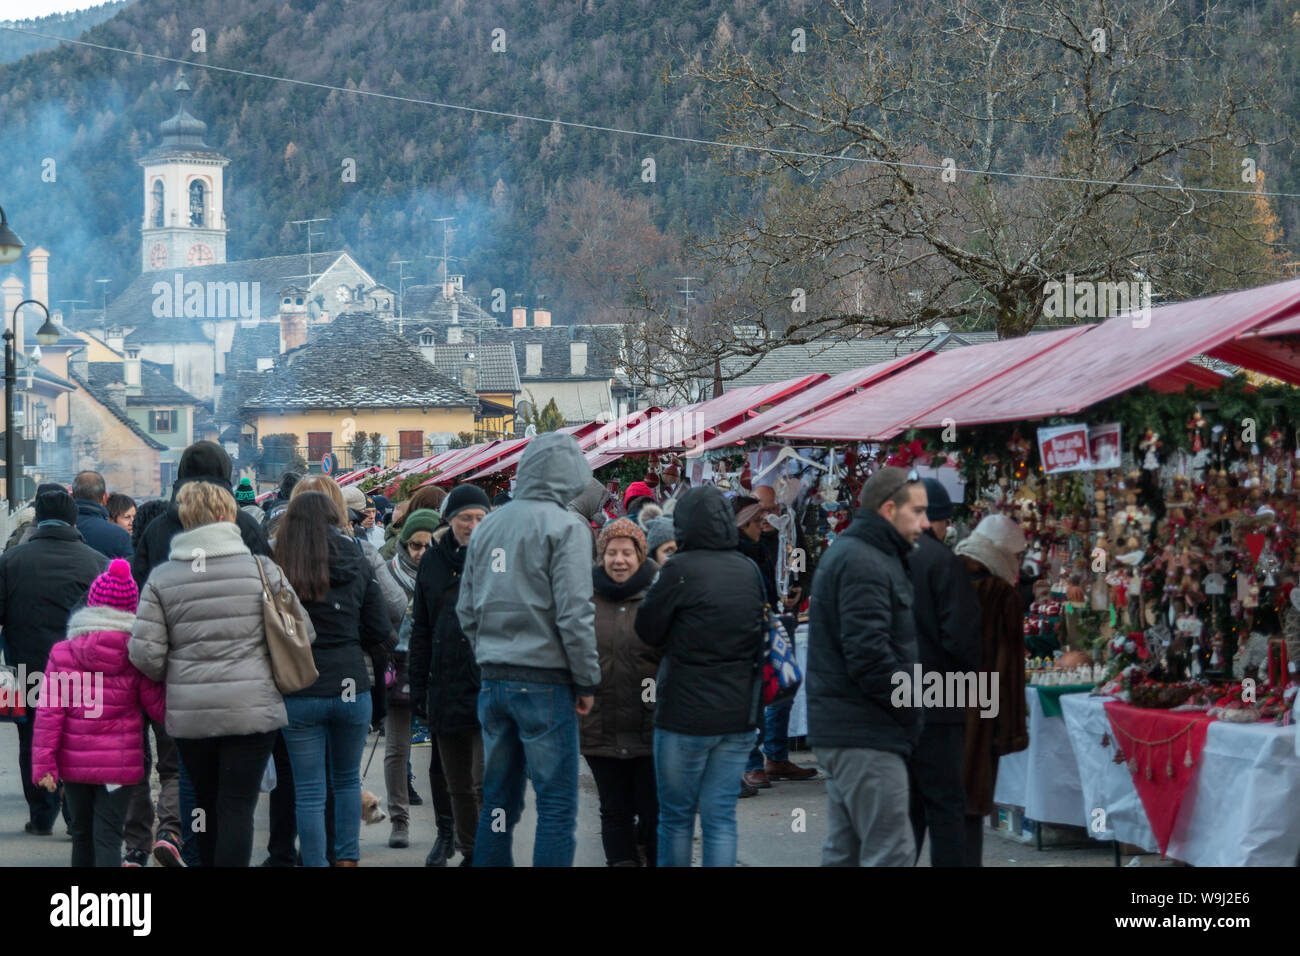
(90, 724)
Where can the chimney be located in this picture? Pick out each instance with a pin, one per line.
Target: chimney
(469, 377)
(13, 294)
(293, 318)
(454, 333)
(40, 260)
(115, 339)
(519, 317)
(455, 312)
(117, 394)
(131, 368)
(542, 318)
(577, 358)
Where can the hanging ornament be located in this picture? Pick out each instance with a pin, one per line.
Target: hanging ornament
(1194, 429)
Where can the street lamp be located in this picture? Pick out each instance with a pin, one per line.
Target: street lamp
(46, 335)
(10, 244)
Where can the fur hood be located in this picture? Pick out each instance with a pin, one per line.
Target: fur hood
(216, 540)
(99, 619)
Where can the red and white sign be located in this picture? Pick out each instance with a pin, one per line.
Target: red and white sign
(1104, 445)
(1064, 448)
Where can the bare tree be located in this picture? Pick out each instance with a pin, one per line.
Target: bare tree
(882, 152)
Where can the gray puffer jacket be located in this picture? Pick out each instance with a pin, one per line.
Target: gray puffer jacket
(199, 629)
(525, 596)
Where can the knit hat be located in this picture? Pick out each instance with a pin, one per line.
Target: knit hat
(621, 528)
(115, 588)
(354, 498)
(245, 494)
(56, 506)
(638, 489)
(287, 481)
(659, 531)
(205, 460)
(939, 506)
(995, 543)
(462, 497)
(422, 519)
(502, 498)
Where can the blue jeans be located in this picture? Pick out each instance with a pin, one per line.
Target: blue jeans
(773, 736)
(314, 723)
(699, 774)
(528, 728)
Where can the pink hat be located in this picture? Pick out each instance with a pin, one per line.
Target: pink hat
(638, 489)
(115, 588)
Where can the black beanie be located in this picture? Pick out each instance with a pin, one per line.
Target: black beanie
(287, 481)
(205, 460)
(462, 497)
(56, 506)
(501, 499)
(45, 486)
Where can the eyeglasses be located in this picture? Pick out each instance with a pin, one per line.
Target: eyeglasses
(911, 478)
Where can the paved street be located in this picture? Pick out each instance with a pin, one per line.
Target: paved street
(767, 834)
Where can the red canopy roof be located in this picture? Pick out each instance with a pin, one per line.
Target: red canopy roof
(686, 425)
(492, 452)
(1117, 355)
(813, 398)
(891, 404)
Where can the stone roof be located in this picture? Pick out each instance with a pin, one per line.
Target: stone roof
(838, 355)
(602, 350)
(100, 395)
(155, 388)
(428, 302)
(498, 371)
(354, 363)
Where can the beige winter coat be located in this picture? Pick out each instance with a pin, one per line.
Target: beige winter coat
(199, 629)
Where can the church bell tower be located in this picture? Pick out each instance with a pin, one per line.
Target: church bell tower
(184, 213)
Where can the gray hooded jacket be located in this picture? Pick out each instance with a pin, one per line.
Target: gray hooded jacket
(525, 597)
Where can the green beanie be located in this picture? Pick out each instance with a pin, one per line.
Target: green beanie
(425, 519)
(245, 494)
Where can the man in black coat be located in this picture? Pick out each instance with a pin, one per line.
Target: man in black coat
(948, 637)
(91, 495)
(863, 636)
(202, 461)
(41, 582)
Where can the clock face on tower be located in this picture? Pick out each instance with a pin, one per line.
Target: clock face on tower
(343, 294)
(199, 255)
(158, 256)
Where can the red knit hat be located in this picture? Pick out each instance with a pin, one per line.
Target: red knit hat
(115, 588)
(621, 528)
(638, 489)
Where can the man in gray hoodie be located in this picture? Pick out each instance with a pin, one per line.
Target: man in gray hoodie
(525, 606)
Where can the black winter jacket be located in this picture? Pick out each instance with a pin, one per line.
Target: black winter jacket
(706, 610)
(108, 539)
(759, 554)
(947, 617)
(155, 544)
(41, 582)
(863, 632)
(351, 622)
(444, 673)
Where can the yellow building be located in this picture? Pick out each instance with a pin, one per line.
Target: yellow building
(355, 379)
(487, 369)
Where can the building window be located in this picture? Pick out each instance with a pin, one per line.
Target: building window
(162, 422)
(318, 445)
(412, 444)
(156, 213)
(198, 203)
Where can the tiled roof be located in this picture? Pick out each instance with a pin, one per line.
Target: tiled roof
(101, 396)
(155, 389)
(498, 371)
(133, 307)
(602, 350)
(428, 302)
(838, 355)
(352, 363)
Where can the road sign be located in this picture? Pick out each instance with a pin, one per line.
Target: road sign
(327, 463)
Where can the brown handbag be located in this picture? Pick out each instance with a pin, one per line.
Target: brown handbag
(289, 635)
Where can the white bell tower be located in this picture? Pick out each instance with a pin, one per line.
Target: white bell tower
(184, 212)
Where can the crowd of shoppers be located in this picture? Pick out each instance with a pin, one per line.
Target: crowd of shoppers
(525, 632)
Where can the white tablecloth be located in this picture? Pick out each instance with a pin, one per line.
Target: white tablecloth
(1044, 779)
(1239, 811)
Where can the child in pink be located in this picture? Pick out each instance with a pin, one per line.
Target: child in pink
(90, 720)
